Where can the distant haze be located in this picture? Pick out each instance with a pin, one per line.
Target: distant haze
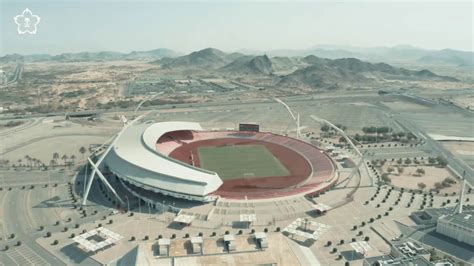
(75, 26)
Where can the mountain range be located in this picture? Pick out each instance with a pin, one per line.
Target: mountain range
(92, 56)
(309, 71)
(396, 54)
(331, 73)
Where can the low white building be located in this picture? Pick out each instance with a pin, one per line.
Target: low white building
(459, 226)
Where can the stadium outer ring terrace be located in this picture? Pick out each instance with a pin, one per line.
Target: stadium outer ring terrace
(145, 170)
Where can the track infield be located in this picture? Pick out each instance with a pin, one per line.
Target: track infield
(237, 161)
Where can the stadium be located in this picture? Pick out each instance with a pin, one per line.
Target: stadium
(182, 160)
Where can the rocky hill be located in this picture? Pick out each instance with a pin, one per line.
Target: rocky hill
(249, 65)
(209, 58)
(327, 73)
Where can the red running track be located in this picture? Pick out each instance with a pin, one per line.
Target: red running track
(308, 166)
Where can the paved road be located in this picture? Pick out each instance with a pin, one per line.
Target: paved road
(30, 141)
(29, 123)
(432, 145)
(396, 152)
(16, 74)
(17, 220)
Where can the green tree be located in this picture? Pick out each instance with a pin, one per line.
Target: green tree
(390, 169)
(64, 158)
(82, 151)
(420, 171)
(421, 185)
(325, 128)
(400, 170)
(442, 161)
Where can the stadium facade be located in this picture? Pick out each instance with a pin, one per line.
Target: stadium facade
(141, 159)
(135, 160)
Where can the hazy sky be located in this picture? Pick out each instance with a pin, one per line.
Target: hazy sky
(73, 26)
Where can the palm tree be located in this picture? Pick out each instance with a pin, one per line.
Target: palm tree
(64, 158)
(19, 162)
(73, 158)
(55, 156)
(52, 163)
(28, 160)
(82, 151)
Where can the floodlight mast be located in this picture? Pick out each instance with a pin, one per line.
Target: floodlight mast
(96, 165)
(142, 102)
(296, 118)
(348, 140)
(343, 134)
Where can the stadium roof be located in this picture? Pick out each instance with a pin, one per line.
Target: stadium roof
(134, 156)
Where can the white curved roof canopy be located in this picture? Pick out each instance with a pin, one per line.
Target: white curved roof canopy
(134, 156)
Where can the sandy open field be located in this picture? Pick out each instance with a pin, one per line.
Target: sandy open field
(409, 178)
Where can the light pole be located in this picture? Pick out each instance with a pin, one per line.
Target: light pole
(85, 180)
(292, 113)
(139, 205)
(128, 204)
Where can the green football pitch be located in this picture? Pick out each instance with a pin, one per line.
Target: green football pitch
(241, 161)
